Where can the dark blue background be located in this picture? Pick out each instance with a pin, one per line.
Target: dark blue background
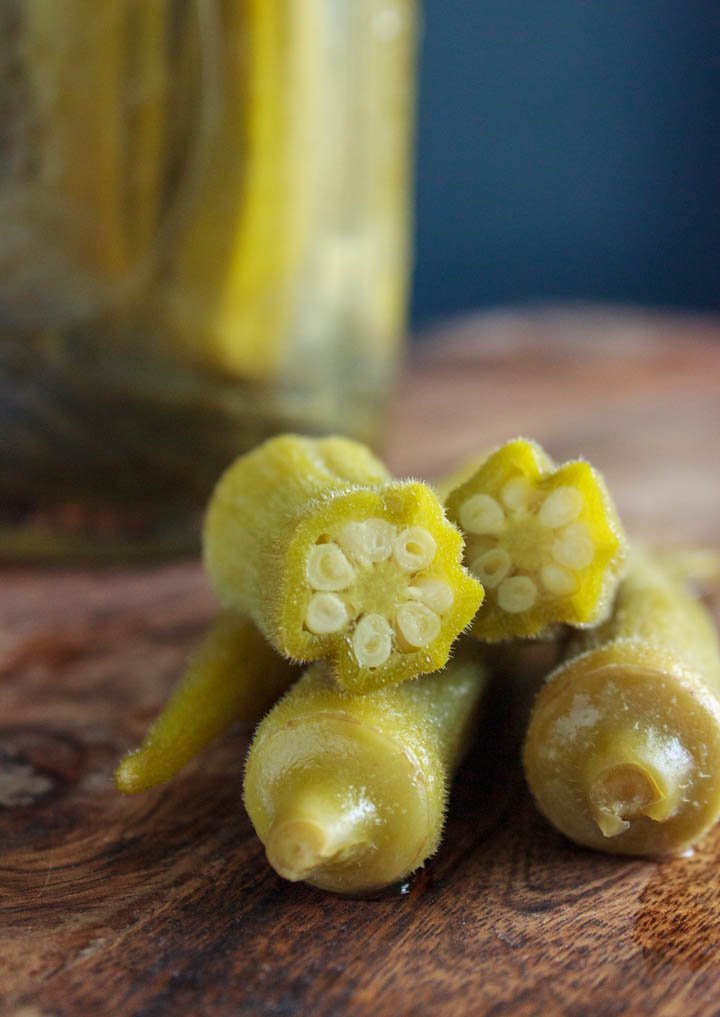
(568, 149)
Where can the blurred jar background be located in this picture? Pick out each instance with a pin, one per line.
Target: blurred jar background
(568, 151)
(203, 241)
(204, 217)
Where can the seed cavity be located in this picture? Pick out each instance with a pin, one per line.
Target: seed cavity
(525, 540)
(573, 547)
(414, 549)
(368, 541)
(434, 593)
(327, 568)
(562, 506)
(558, 580)
(337, 572)
(516, 594)
(515, 495)
(417, 624)
(492, 566)
(482, 515)
(372, 640)
(326, 613)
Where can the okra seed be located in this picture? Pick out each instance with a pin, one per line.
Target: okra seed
(328, 569)
(573, 547)
(414, 548)
(515, 494)
(562, 506)
(367, 541)
(481, 514)
(372, 640)
(326, 613)
(417, 624)
(434, 593)
(516, 594)
(492, 566)
(558, 580)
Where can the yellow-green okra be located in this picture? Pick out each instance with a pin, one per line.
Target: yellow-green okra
(545, 541)
(233, 675)
(349, 793)
(623, 748)
(333, 559)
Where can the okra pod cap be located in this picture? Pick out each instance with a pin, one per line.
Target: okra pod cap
(349, 793)
(622, 752)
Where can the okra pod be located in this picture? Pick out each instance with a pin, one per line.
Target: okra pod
(545, 541)
(623, 748)
(75, 58)
(233, 675)
(334, 560)
(349, 793)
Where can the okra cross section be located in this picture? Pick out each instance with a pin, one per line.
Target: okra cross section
(545, 541)
(366, 574)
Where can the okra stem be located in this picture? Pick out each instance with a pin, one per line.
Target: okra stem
(623, 748)
(349, 793)
(316, 831)
(638, 774)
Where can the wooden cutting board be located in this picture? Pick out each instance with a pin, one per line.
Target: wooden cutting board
(163, 903)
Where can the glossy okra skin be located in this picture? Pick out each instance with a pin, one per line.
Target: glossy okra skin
(349, 793)
(545, 541)
(332, 559)
(233, 675)
(623, 748)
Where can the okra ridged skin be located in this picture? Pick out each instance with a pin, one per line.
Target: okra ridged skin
(333, 560)
(233, 675)
(545, 541)
(349, 793)
(622, 752)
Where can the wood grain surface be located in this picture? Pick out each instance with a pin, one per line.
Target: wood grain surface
(162, 904)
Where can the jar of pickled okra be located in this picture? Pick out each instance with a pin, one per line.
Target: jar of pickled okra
(203, 241)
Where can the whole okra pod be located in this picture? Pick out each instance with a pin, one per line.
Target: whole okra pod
(349, 793)
(623, 748)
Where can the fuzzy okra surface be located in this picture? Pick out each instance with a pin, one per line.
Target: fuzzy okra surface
(349, 793)
(623, 748)
(233, 675)
(545, 541)
(333, 559)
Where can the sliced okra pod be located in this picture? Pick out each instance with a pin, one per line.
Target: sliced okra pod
(233, 675)
(334, 560)
(349, 793)
(545, 541)
(623, 748)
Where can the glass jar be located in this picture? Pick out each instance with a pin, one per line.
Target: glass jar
(203, 241)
